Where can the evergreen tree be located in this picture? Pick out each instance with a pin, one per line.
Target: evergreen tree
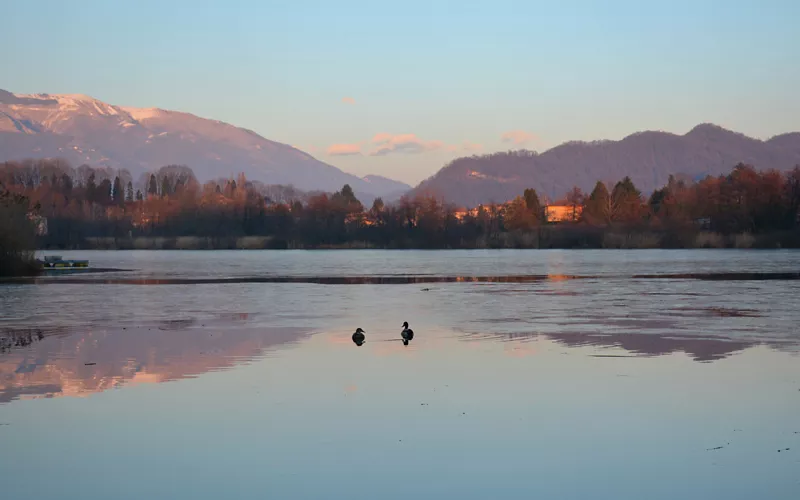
(346, 200)
(627, 200)
(129, 192)
(139, 196)
(598, 207)
(532, 204)
(152, 190)
(348, 194)
(119, 195)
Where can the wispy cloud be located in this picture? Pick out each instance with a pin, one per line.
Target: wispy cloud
(519, 137)
(384, 144)
(402, 143)
(381, 138)
(344, 149)
(348, 100)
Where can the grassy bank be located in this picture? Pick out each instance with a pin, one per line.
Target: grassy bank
(547, 237)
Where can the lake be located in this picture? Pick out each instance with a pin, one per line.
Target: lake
(532, 374)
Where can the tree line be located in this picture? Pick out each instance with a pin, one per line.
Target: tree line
(169, 208)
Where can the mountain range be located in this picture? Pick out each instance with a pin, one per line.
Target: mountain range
(81, 129)
(649, 158)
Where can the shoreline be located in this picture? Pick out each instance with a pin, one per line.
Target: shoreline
(609, 241)
(396, 279)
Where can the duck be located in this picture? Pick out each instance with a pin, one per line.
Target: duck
(407, 333)
(359, 338)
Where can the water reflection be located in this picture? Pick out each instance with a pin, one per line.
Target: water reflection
(78, 363)
(19, 338)
(59, 362)
(405, 279)
(702, 349)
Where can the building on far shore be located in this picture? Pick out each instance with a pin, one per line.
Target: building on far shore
(463, 212)
(552, 213)
(562, 213)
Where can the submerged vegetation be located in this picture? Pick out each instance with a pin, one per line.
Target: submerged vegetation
(170, 209)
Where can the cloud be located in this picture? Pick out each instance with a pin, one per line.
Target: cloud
(519, 137)
(403, 143)
(381, 138)
(348, 100)
(344, 149)
(384, 144)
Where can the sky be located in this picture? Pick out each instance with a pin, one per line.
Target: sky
(401, 88)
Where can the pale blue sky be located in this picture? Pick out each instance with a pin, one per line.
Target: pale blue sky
(451, 73)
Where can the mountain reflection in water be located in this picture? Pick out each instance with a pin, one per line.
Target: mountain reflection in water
(698, 348)
(78, 363)
(81, 362)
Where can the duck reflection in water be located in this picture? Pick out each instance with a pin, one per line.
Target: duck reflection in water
(407, 334)
(359, 338)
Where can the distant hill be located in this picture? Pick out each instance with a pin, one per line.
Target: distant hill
(81, 129)
(391, 189)
(647, 157)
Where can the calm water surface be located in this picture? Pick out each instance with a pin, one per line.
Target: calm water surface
(591, 382)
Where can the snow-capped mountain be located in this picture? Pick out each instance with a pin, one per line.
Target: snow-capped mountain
(82, 129)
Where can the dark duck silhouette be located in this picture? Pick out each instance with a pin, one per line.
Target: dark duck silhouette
(359, 338)
(407, 333)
